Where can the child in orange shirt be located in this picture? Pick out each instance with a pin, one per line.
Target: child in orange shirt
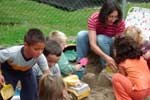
(136, 34)
(132, 82)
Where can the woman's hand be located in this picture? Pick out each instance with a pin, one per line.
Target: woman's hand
(111, 63)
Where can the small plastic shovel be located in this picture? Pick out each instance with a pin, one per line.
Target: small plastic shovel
(7, 91)
(84, 61)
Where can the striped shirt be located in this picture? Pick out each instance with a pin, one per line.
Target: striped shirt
(109, 30)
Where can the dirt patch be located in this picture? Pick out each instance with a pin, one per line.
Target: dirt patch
(100, 84)
(101, 87)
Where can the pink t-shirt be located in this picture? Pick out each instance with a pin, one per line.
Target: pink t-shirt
(110, 30)
(137, 72)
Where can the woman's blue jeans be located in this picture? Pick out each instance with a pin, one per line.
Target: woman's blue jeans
(103, 41)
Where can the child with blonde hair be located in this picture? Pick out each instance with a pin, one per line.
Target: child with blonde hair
(52, 88)
(60, 37)
(65, 66)
(136, 34)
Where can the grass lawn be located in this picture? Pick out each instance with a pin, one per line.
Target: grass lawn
(17, 16)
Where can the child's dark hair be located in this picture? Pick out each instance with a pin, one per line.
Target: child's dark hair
(52, 47)
(33, 36)
(108, 7)
(126, 48)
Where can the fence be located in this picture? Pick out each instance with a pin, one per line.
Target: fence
(69, 16)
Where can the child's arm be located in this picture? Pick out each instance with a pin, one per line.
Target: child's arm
(43, 64)
(37, 71)
(4, 55)
(58, 70)
(65, 67)
(46, 71)
(78, 67)
(2, 81)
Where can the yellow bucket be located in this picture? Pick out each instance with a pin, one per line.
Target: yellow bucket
(108, 69)
(7, 91)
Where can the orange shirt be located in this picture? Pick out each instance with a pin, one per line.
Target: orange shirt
(137, 72)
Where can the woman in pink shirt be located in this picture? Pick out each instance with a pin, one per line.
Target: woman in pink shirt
(132, 82)
(102, 27)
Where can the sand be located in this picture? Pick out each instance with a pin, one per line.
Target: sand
(100, 84)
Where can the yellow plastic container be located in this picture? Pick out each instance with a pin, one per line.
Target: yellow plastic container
(79, 91)
(71, 80)
(108, 69)
(7, 91)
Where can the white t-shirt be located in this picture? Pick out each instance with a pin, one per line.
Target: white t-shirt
(55, 70)
(15, 55)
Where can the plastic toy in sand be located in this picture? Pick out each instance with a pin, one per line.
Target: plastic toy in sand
(76, 87)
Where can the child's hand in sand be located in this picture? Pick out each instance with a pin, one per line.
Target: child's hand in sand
(78, 67)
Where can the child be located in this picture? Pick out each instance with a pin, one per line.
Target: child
(65, 67)
(52, 88)
(52, 52)
(133, 80)
(136, 34)
(16, 64)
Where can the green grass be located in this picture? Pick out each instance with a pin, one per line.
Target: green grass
(17, 16)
